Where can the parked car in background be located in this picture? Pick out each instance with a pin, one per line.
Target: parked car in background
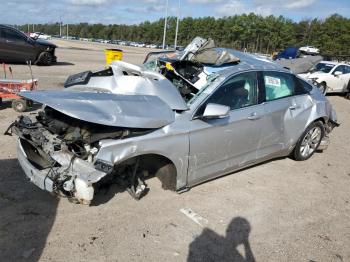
(309, 50)
(17, 47)
(38, 35)
(330, 77)
(181, 119)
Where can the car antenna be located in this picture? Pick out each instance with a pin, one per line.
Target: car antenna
(4, 66)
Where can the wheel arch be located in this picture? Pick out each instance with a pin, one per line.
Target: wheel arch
(156, 165)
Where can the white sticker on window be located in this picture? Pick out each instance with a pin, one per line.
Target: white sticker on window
(272, 81)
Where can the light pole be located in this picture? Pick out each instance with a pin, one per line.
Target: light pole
(165, 23)
(177, 23)
(60, 26)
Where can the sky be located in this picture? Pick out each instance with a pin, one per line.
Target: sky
(136, 11)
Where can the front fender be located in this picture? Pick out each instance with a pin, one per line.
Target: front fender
(174, 147)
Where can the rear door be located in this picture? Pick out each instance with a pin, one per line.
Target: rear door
(3, 47)
(16, 46)
(279, 88)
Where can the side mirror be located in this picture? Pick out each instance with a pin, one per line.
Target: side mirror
(337, 73)
(213, 111)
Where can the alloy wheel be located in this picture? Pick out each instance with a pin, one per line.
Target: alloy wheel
(311, 141)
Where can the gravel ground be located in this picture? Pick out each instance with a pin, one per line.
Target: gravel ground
(281, 210)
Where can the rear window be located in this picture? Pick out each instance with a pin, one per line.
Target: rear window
(278, 85)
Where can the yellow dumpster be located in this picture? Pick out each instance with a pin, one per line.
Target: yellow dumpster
(113, 55)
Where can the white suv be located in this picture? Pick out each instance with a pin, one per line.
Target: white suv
(330, 77)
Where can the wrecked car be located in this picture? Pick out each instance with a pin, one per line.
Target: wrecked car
(184, 117)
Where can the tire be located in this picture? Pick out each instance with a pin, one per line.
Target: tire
(347, 94)
(19, 105)
(167, 176)
(0, 102)
(30, 103)
(45, 58)
(309, 141)
(323, 88)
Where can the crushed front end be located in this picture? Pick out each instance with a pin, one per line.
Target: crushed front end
(57, 153)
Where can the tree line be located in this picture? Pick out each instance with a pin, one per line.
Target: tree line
(247, 31)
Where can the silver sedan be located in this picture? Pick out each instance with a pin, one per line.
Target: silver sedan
(128, 123)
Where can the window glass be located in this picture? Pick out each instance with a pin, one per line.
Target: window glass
(347, 70)
(322, 67)
(238, 92)
(278, 85)
(340, 68)
(11, 35)
(302, 87)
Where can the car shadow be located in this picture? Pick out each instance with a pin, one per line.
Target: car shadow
(62, 64)
(27, 215)
(210, 246)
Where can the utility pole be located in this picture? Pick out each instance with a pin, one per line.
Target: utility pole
(60, 26)
(177, 23)
(165, 23)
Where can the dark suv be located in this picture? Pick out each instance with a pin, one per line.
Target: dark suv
(17, 47)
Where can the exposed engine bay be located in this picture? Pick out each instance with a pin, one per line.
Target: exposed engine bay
(187, 71)
(184, 75)
(63, 147)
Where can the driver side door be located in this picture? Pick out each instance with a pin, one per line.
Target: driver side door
(219, 146)
(337, 83)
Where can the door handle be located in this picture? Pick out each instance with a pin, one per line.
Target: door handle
(293, 107)
(254, 116)
(9, 41)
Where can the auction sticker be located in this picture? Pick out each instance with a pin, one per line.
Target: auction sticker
(272, 81)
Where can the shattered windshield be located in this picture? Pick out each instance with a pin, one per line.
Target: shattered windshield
(323, 67)
(210, 79)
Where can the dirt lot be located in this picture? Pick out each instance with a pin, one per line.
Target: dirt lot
(278, 211)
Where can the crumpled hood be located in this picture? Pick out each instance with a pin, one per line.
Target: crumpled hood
(134, 111)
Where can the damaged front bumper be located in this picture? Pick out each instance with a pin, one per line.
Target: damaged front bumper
(70, 177)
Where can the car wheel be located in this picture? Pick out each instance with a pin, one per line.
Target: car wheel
(19, 105)
(45, 58)
(323, 87)
(347, 95)
(309, 141)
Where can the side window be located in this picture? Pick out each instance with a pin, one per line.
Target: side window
(340, 68)
(347, 70)
(11, 35)
(278, 85)
(302, 87)
(237, 92)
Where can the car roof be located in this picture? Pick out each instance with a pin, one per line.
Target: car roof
(334, 63)
(249, 62)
